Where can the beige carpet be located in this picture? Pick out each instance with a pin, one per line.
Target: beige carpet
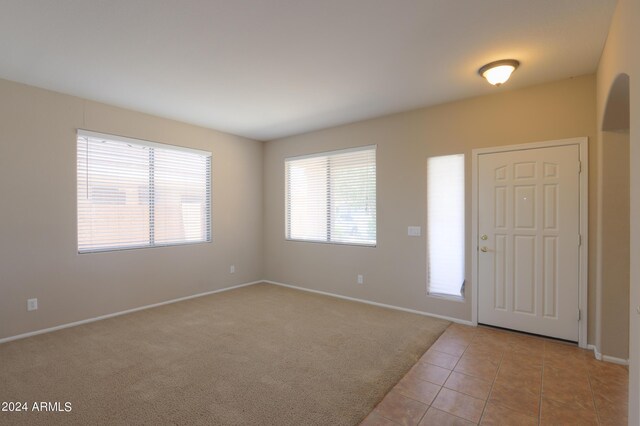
(259, 355)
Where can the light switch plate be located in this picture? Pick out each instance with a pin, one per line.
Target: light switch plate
(414, 231)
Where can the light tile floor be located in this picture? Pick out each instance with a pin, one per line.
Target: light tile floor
(479, 375)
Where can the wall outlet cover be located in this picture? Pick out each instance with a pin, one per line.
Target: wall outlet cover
(32, 304)
(414, 231)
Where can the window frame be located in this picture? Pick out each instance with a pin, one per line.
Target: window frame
(287, 224)
(156, 145)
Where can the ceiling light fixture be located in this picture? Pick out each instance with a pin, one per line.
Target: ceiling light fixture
(498, 72)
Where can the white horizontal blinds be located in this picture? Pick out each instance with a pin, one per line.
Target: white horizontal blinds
(331, 197)
(353, 197)
(133, 195)
(182, 193)
(445, 225)
(307, 189)
(113, 195)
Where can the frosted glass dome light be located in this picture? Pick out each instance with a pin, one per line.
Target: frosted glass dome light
(498, 72)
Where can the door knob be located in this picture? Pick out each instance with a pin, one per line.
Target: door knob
(483, 249)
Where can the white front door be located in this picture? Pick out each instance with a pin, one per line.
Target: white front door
(529, 240)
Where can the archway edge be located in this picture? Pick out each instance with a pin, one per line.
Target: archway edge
(617, 111)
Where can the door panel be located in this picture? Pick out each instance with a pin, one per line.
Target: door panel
(528, 259)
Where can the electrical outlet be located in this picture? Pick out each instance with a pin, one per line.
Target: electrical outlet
(414, 231)
(232, 269)
(360, 279)
(32, 304)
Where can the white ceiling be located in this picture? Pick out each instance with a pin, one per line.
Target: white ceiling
(266, 69)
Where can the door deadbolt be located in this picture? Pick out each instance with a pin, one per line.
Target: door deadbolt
(484, 237)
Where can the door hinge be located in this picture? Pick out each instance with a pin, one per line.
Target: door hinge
(579, 315)
(579, 166)
(579, 240)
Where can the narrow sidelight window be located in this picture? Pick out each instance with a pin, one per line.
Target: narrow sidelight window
(445, 225)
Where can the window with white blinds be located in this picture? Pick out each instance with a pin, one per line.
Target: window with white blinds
(445, 225)
(136, 194)
(331, 197)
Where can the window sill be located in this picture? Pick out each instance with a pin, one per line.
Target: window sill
(451, 298)
(332, 243)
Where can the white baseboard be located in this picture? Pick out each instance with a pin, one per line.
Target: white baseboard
(115, 314)
(596, 352)
(369, 302)
(615, 360)
(606, 358)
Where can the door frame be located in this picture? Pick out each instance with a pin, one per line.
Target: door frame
(583, 256)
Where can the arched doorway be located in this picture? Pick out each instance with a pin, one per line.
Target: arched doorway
(614, 219)
(617, 115)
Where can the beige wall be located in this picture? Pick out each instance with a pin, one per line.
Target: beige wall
(38, 256)
(621, 55)
(395, 271)
(615, 246)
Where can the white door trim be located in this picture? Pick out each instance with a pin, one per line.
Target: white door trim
(583, 147)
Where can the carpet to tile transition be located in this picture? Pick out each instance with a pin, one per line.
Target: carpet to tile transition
(258, 355)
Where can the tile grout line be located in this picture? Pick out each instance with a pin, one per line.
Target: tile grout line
(544, 356)
(593, 398)
(417, 378)
(445, 381)
(386, 418)
(401, 394)
(450, 371)
(457, 362)
(587, 372)
(437, 393)
(493, 382)
(476, 338)
(427, 381)
(422, 417)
